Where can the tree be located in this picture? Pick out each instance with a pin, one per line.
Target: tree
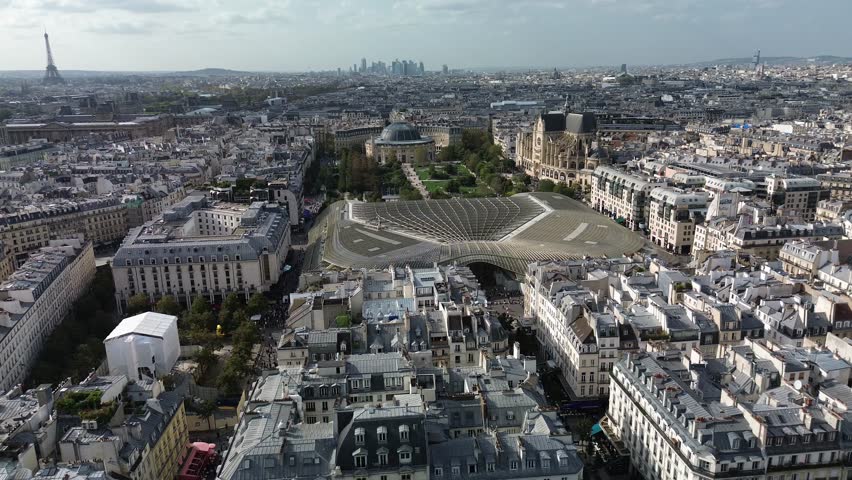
(230, 306)
(453, 186)
(245, 336)
(257, 304)
(472, 162)
(409, 193)
(200, 306)
(497, 185)
(206, 358)
(439, 194)
(563, 189)
(451, 169)
(232, 302)
(169, 306)
(137, 304)
(231, 379)
(200, 315)
(343, 320)
(545, 186)
(583, 428)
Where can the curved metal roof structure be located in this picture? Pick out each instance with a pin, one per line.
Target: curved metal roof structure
(400, 132)
(506, 232)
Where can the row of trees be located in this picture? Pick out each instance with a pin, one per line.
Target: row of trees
(76, 347)
(198, 326)
(549, 186)
(359, 175)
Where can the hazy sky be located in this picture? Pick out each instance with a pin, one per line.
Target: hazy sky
(298, 35)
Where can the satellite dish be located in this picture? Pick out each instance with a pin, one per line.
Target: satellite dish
(798, 384)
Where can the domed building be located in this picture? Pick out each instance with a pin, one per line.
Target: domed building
(403, 142)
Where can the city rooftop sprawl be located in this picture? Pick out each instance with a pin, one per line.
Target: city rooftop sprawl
(399, 271)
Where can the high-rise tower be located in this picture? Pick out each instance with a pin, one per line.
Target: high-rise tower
(51, 74)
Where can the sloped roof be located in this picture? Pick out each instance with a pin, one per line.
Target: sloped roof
(150, 324)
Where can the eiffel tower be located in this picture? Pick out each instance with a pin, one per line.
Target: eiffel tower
(51, 75)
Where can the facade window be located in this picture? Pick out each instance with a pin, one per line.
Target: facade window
(403, 433)
(513, 465)
(382, 433)
(360, 461)
(359, 436)
(383, 458)
(439, 472)
(456, 471)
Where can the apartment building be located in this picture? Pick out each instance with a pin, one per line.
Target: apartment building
(203, 247)
(581, 343)
(145, 446)
(767, 240)
(101, 221)
(543, 448)
(839, 186)
(146, 205)
(799, 196)
(673, 216)
(659, 414)
(623, 196)
(36, 298)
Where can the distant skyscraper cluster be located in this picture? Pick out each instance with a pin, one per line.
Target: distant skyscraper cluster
(396, 67)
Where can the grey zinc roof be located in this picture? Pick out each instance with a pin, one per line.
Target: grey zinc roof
(267, 445)
(371, 363)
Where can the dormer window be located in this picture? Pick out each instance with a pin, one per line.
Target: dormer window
(403, 433)
(404, 453)
(382, 434)
(359, 436)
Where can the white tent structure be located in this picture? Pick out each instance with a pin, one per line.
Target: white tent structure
(144, 345)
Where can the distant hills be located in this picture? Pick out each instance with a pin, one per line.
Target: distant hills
(209, 72)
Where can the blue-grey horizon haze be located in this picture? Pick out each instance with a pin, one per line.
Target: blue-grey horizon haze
(303, 35)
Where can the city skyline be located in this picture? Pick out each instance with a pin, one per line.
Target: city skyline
(165, 35)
